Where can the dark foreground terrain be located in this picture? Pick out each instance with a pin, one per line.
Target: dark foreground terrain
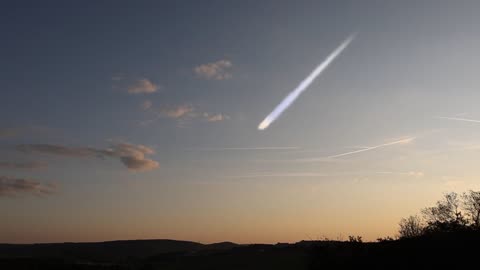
(440, 251)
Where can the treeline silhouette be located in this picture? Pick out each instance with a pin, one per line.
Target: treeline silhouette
(445, 235)
(453, 213)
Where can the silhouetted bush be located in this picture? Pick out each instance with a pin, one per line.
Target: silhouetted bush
(385, 239)
(355, 239)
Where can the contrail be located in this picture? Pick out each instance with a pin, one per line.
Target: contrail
(246, 148)
(373, 147)
(280, 175)
(460, 119)
(290, 98)
(334, 174)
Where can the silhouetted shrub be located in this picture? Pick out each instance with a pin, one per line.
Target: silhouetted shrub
(385, 239)
(355, 239)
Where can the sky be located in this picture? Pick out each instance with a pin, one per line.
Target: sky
(139, 119)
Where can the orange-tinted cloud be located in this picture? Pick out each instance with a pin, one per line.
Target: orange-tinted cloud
(10, 186)
(180, 111)
(132, 156)
(218, 70)
(215, 117)
(142, 86)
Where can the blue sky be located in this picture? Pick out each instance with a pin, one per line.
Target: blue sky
(114, 111)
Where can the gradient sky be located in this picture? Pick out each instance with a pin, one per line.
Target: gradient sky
(139, 120)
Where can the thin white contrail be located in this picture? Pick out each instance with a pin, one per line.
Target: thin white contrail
(373, 147)
(460, 119)
(290, 98)
(315, 174)
(246, 148)
(280, 175)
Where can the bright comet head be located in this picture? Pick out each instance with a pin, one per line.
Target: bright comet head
(265, 123)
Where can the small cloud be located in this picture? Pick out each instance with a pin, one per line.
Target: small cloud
(179, 111)
(10, 186)
(184, 114)
(132, 156)
(142, 86)
(214, 71)
(215, 117)
(117, 78)
(135, 164)
(146, 105)
(22, 165)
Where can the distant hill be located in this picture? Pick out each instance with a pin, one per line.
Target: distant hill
(107, 251)
(452, 250)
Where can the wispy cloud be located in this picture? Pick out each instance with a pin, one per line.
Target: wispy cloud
(180, 111)
(460, 119)
(215, 117)
(22, 165)
(415, 174)
(132, 156)
(10, 186)
(185, 113)
(218, 70)
(142, 86)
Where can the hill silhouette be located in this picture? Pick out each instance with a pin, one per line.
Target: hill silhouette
(107, 251)
(447, 236)
(434, 251)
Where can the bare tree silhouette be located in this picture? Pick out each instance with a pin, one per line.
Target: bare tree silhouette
(410, 227)
(446, 215)
(471, 204)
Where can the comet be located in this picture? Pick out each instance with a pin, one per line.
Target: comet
(292, 96)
